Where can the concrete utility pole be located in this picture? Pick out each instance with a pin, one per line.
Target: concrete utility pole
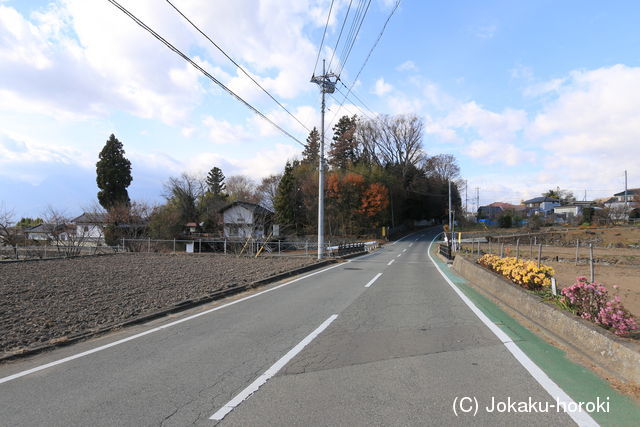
(327, 83)
(450, 217)
(625, 189)
(477, 198)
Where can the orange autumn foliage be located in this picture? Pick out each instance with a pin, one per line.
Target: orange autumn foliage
(374, 200)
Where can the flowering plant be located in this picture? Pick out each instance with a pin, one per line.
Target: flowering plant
(524, 273)
(591, 301)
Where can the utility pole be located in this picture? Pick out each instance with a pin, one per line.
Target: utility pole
(450, 217)
(626, 203)
(327, 83)
(478, 198)
(466, 199)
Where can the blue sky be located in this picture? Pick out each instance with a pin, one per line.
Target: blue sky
(527, 95)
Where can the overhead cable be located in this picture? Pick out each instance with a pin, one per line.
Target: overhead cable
(199, 68)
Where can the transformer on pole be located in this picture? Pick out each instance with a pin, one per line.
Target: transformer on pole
(327, 83)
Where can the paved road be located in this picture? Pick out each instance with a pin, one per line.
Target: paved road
(399, 352)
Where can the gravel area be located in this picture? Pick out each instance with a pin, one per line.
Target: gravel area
(48, 301)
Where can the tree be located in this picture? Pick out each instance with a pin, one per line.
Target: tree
(183, 193)
(288, 202)
(564, 196)
(400, 141)
(268, 190)
(9, 233)
(344, 147)
(113, 175)
(442, 166)
(311, 152)
(129, 223)
(215, 181)
(28, 222)
(242, 188)
(375, 200)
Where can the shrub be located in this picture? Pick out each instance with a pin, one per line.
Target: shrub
(524, 273)
(591, 301)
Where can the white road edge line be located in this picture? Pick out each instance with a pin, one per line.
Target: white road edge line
(580, 418)
(373, 280)
(391, 262)
(259, 382)
(156, 329)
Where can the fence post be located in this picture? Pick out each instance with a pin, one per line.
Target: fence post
(45, 249)
(149, 245)
(306, 247)
(225, 245)
(199, 246)
(502, 250)
(278, 247)
(554, 289)
(174, 245)
(539, 254)
(123, 244)
(517, 249)
(591, 266)
(530, 248)
(577, 250)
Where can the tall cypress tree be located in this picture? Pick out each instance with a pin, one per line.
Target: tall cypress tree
(113, 175)
(215, 181)
(288, 201)
(343, 151)
(311, 153)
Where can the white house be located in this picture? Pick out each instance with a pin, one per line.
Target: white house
(541, 205)
(243, 219)
(90, 225)
(573, 209)
(44, 232)
(621, 210)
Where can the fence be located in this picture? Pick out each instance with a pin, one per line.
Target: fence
(249, 247)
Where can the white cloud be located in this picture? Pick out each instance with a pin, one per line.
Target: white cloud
(224, 132)
(407, 66)
(485, 32)
(381, 88)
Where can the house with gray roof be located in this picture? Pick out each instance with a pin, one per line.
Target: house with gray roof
(243, 219)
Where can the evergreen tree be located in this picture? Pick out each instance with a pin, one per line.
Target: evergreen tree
(344, 147)
(288, 200)
(113, 175)
(215, 181)
(311, 153)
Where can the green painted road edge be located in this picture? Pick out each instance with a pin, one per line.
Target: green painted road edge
(577, 381)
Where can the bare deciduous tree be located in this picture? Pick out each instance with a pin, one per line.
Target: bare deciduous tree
(68, 239)
(400, 141)
(268, 190)
(183, 192)
(442, 166)
(242, 188)
(9, 233)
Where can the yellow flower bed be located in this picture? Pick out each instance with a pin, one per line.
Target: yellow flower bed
(524, 273)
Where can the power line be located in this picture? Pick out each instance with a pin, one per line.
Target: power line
(199, 68)
(354, 38)
(344, 21)
(364, 113)
(322, 41)
(238, 65)
(358, 98)
(395, 7)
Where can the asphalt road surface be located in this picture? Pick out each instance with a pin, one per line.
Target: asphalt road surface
(380, 340)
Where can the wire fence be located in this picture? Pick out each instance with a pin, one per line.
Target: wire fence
(249, 247)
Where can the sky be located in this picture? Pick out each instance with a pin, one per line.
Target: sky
(528, 96)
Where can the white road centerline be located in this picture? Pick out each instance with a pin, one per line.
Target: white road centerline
(410, 244)
(404, 250)
(391, 262)
(398, 256)
(373, 280)
(580, 418)
(156, 329)
(259, 382)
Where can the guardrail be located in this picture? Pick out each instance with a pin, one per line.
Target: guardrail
(445, 250)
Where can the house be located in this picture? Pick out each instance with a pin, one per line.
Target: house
(45, 232)
(90, 225)
(244, 219)
(621, 210)
(541, 205)
(572, 210)
(497, 209)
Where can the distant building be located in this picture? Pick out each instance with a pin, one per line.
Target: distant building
(621, 210)
(47, 232)
(244, 219)
(90, 225)
(498, 209)
(541, 205)
(573, 210)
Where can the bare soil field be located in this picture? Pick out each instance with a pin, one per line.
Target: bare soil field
(47, 301)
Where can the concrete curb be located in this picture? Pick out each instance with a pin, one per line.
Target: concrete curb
(178, 307)
(613, 354)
